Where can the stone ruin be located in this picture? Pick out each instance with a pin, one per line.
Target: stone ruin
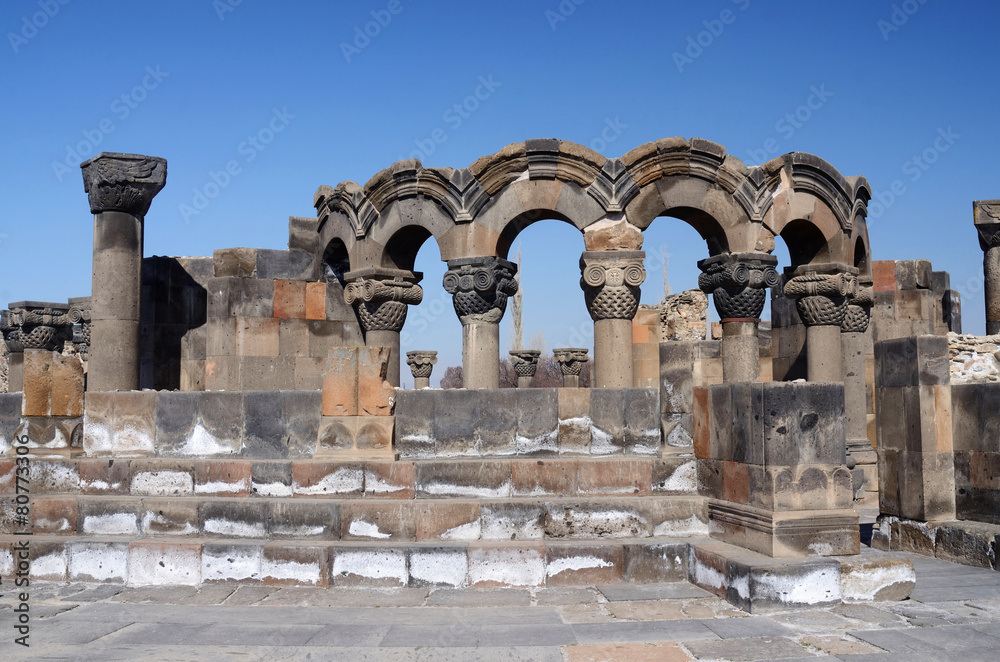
(238, 417)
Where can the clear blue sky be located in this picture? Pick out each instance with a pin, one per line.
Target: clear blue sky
(565, 70)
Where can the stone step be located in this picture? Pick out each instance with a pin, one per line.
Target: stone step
(469, 478)
(375, 520)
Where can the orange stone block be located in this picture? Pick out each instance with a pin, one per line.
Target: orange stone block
(66, 396)
(315, 301)
(340, 382)
(884, 274)
(37, 382)
(701, 431)
(376, 396)
(735, 482)
(290, 299)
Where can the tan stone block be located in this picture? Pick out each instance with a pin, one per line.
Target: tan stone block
(376, 396)
(581, 565)
(222, 373)
(169, 517)
(574, 403)
(621, 652)
(615, 477)
(447, 520)
(37, 382)
(328, 478)
(309, 373)
(544, 477)
(942, 418)
(290, 299)
(337, 433)
(735, 482)
(507, 566)
(66, 397)
(701, 428)
(104, 477)
(156, 563)
(222, 478)
(316, 301)
(378, 520)
(257, 336)
(294, 565)
(53, 515)
(293, 337)
(193, 375)
(390, 480)
(340, 382)
(374, 432)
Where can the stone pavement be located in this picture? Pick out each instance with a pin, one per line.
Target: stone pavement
(953, 614)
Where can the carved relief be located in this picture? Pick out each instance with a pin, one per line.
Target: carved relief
(736, 282)
(123, 182)
(610, 283)
(421, 363)
(382, 302)
(479, 287)
(822, 297)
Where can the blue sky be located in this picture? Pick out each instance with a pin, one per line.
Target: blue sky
(192, 80)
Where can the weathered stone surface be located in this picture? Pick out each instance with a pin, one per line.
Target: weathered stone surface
(299, 520)
(199, 424)
(120, 424)
(328, 478)
(484, 480)
(607, 414)
(582, 564)
(867, 579)
(642, 421)
(537, 420)
(574, 420)
(370, 567)
(444, 566)
(282, 424)
(654, 563)
(294, 565)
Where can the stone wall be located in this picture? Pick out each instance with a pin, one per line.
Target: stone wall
(973, 359)
(4, 367)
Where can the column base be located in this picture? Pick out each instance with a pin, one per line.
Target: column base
(787, 533)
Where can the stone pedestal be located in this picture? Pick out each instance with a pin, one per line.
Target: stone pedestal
(525, 363)
(987, 219)
(570, 360)
(610, 282)
(479, 287)
(822, 292)
(736, 282)
(854, 349)
(421, 365)
(381, 298)
(120, 188)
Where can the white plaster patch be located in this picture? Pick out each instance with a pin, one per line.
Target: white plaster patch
(130, 438)
(220, 487)
(111, 524)
(363, 529)
(860, 583)
(648, 443)
(235, 564)
(202, 442)
(576, 563)
(98, 563)
(509, 567)
(6, 561)
(371, 564)
(741, 583)
(99, 486)
(50, 566)
(691, 526)
(272, 489)
(448, 489)
(49, 525)
(543, 442)
(469, 531)
(374, 484)
(821, 548)
(497, 526)
(64, 477)
(809, 588)
(342, 481)
(236, 529)
(601, 442)
(683, 479)
(605, 523)
(96, 437)
(162, 483)
(442, 568)
(288, 531)
(307, 574)
(151, 518)
(162, 566)
(706, 576)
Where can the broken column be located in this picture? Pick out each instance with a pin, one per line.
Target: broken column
(822, 291)
(610, 282)
(381, 298)
(421, 365)
(479, 287)
(570, 360)
(854, 347)
(736, 283)
(525, 364)
(120, 188)
(987, 219)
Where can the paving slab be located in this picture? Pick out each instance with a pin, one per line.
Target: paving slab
(565, 596)
(895, 641)
(629, 631)
(474, 597)
(217, 634)
(462, 634)
(745, 628)
(746, 650)
(619, 592)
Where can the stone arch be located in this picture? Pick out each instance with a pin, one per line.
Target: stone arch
(336, 260)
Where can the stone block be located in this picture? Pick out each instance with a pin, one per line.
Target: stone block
(10, 418)
(54, 476)
(52, 515)
(328, 478)
(271, 479)
(625, 519)
(226, 562)
(235, 263)
(294, 565)
(169, 517)
(506, 566)
(222, 478)
(544, 478)
(585, 565)
(675, 475)
(642, 421)
(281, 424)
(109, 517)
(701, 424)
(440, 566)
(49, 562)
(293, 337)
(309, 374)
(607, 416)
(512, 521)
(677, 360)
(677, 432)
(736, 481)
(199, 424)
(374, 434)
(803, 423)
(614, 478)
(243, 297)
(233, 519)
(720, 422)
(257, 336)
(264, 372)
(340, 382)
(290, 299)
(384, 520)
(390, 480)
(763, 587)
(496, 427)
(192, 375)
(164, 563)
(122, 424)
(324, 336)
(376, 396)
(747, 442)
(151, 478)
(482, 480)
(537, 420)
(372, 567)
(655, 563)
(316, 301)
(98, 562)
(336, 434)
(296, 265)
(297, 519)
(365, 435)
(448, 520)
(456, 417)
(574, 420)
(102, 477)
(415, 414)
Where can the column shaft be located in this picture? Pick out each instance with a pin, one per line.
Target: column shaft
(613, 353)
(481, 355)
(991, 288)
(855, 387)
(740, 354)
(823, 360)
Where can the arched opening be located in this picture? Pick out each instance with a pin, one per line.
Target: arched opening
(514, 228)
(336, 262)
(707, 227)
(401, 250)
(805, 242)
(861, 259)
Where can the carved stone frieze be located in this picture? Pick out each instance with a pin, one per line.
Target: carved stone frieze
(570, 359)
(737, 283)
(822, 297)
(610, 282)
(859, 309)
(479, 287)
(382, 299)
(123, 182)
(524, 361)
(38, 325)
(421, 363)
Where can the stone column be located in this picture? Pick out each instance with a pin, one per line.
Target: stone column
(610, 283)
(736, 282)
(479, 287)
(570, 360)
(421, 364)
(854, 347)
(120, 188)
(822, 291)
(11, 333)
(525, 363)
(987, 219)
(381, 298)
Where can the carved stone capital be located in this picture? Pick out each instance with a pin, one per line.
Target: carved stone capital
(524, 361)
(382, 297)
(859, 309)
(479, 287)
(737, 283)
(822, 295)
(610, 282)
(570, 359)
(37, 325)
(421, 363)
(123, 182)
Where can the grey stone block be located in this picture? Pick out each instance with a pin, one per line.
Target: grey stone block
(10, 418)
(304, 519)
(484, 480)
(286, 265)
(759, 587)
(512, 521)
(642, 421)
(748, 415)
(233, 519)
(109, 517)
(456, 417)
(415, 416)
(676, 376)
(240, 297)
(896, 363)
(803, 423)
(281, 424)
(496, 427)
(537, 420)
(607, 415)
(271, 479)
(200, 423)
(653, 563)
